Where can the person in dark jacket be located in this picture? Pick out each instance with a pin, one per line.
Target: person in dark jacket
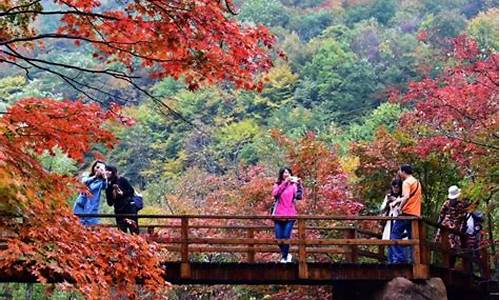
(119, 194)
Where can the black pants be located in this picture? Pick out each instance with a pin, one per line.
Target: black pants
(129, 223)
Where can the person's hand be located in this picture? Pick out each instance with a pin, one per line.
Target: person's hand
(394, 203)
(117, 191)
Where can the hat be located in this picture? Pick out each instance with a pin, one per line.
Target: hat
(453, 192)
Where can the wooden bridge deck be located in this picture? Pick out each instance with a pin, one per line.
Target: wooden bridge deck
(279, 273)
(328, 250)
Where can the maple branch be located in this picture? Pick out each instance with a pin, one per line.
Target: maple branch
(66, 36)
(59, 12)
(465, 115)
(492, 146)
(169, 4)
(22, 6)
(110, 44)
(229, 9)
(26, 69)
(73, 83)
(162, 104)
(96, 71)
(168, 14)
(454, 136)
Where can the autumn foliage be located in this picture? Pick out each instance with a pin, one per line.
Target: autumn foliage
(457, 112)
(194, 39)
(48, 242)
(328, 191)
(450, 129)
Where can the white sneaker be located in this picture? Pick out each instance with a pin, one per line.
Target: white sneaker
(283, 261)
(289, 258)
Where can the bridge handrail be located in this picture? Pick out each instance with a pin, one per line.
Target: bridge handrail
(348, 244)
(258, 217)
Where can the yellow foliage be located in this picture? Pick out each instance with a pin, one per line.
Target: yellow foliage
(349, 164)
(484, 29)
(10, 84)
(281, 76)
(280, 83)
(172, 167)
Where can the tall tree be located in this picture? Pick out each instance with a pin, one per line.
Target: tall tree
(49, 242)
(194, 39)
(457, 113)
(198, 40)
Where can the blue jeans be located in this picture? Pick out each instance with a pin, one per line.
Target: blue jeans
(283, 230)
(400, 254)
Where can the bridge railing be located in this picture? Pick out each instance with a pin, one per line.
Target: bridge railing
(349, 239)
(344, 237)
(441, 254)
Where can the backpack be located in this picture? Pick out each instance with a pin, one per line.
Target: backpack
(300, 191)
(477, 218)
(138, 201)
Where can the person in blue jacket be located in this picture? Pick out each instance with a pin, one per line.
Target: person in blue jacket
(89, 202)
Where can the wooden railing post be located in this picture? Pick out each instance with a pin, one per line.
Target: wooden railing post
(445, 247)
(420, 256)
(251, 247)
(467, 262)
(484, 263)
(185, 267)
(303, 273)
(380, 252)
(151, 229)
(352, 256)
(425, 251)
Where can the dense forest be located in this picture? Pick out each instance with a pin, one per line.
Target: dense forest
(356, 88)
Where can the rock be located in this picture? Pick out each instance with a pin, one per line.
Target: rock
(403, 289)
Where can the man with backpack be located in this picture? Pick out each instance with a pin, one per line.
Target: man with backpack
(472, 227)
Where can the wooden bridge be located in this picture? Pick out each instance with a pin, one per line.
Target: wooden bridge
(342, 251)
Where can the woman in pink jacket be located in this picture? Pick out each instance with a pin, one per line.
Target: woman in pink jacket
(284, 194)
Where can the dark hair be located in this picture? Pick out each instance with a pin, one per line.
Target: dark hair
(407, 169)
(113, 170)
(92, 171)
(281, 172)
(396, 182)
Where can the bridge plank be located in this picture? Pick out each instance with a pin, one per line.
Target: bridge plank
(277, 273)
